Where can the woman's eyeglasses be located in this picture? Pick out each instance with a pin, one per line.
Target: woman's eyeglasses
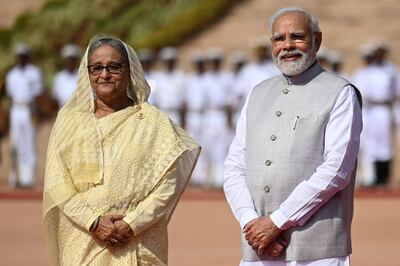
(98, 69)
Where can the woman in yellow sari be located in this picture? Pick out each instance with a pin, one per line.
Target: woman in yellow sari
(116, 166)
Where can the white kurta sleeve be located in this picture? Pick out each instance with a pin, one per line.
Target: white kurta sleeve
(342, 138)
(235, 185)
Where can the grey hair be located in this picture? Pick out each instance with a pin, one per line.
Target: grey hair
(311, 18)
(117, 45)
(114, 43)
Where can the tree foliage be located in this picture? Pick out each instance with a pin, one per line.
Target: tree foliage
(141, 23)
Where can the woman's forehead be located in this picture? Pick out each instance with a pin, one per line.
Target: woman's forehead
(105, 54)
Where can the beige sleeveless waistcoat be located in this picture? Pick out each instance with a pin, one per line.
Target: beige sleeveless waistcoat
(285, 134)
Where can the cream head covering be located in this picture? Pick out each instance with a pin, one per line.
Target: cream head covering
(83, 97)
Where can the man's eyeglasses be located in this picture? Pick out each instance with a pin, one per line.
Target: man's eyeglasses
(279, 39)
(98, 69)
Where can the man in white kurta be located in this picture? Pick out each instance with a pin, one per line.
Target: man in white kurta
(65, 81)
(296, 39)
(23, 85)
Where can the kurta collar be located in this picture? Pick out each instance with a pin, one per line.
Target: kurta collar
(304, 77)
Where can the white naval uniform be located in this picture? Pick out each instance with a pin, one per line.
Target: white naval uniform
(391, 68)
(23, 85)
(151, 78)
(237, 97)
(397, 106)
(195, 100)
(64, 85)
(309, 195)
(217, 135)
(376, 83)
(168, 96)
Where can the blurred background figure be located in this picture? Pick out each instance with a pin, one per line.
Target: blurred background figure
(382, 54)
(377, 84)
(195, 100)
(170, 81)
(23, 85)
(260, 69)
(336, 60)
(331, 60)
(147, 58)
(4, 121)
(365, 175)
(238, 60)
(217, 135)
(65, 81)
(323, 57)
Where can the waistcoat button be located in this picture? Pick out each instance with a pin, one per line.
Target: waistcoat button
(268, 162)
(278, 113)
(273, 137)
(267, 189)
(285, 91)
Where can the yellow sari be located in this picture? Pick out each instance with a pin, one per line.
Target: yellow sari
(134, 162)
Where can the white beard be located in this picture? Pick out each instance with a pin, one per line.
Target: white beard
(294, 68)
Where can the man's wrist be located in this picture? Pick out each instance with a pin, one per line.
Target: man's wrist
(247, 217)
(280, 220)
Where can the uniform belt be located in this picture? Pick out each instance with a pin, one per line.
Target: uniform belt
(220, 109)
(171, 109)
(21, 103)
(197, 111)
(386, 103)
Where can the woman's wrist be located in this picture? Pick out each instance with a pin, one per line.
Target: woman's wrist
(94, 224)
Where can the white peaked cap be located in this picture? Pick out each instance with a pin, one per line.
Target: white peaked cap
(335, 57)
(214, 54)
(70, 50)
(238, 57)
(323, 53)
(168, 53)
(146, 54)
(22, 49)
(383, 44)
(368, 49)
(260, 41)
(197, 57)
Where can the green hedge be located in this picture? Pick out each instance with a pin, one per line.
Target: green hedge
(141, 23)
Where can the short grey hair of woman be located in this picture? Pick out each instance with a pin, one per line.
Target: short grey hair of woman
(114, 43)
